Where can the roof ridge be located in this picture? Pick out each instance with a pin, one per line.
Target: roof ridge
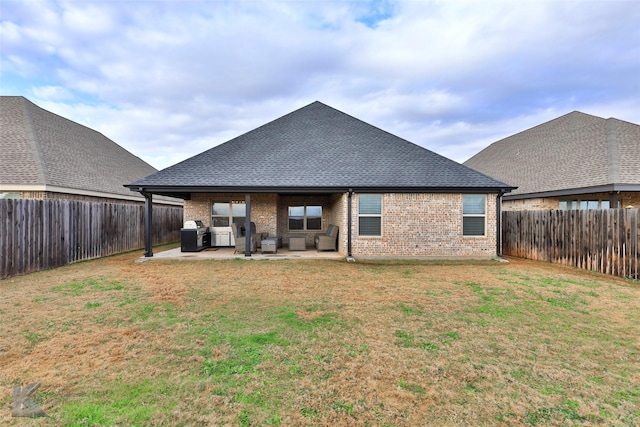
(404, 140)
(571, 116)
(322, 148)
(626, 122)
(613, 153)
(42, 170)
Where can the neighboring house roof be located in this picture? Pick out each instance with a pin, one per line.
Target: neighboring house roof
(41, 151)
(574, 154)
(318, 149)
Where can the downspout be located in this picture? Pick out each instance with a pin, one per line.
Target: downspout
(247, 226)
(148, 229)
(499, 224)
(349, 254)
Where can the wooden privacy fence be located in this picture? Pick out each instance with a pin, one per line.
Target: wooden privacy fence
(604, 240)
(40, 234)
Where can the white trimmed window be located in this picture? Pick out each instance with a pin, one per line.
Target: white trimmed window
(474, 208)
(224, 213)
(305, 217)
(584, 204)
(370, 215)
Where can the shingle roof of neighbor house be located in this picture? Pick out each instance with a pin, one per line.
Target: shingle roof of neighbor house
(574, 153)
(318, 148)
(39, 148)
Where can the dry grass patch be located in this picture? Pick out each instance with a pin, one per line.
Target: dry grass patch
(319, 342)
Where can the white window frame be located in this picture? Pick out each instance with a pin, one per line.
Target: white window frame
(305, 217)
(376, 215)
(475, 215)
(583, 204)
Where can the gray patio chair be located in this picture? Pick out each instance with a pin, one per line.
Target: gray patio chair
(327, 241)
(241, 240)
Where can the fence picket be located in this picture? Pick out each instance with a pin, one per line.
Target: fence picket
(605, 240)
(41, 234)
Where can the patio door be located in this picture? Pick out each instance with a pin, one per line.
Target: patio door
(223, 214)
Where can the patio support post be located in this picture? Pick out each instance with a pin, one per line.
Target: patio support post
(148, 224)
(349, 223)
(247, 226)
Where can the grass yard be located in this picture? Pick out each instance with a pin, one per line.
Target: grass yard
(321, 342)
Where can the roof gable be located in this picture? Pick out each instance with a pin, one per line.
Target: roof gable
(573, 151)
(40, 147)
(318, 147)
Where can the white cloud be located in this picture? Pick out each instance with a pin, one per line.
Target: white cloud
(169, 79)
(87, 19)
(52, 93)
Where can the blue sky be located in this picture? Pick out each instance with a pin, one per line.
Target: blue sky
(170, 79)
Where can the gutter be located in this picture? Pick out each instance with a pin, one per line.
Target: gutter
(349, 219)
(182, 191)
(499, 224)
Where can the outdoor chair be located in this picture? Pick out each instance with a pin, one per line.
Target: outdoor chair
(258, 236)
(241, 240)
(327, 241)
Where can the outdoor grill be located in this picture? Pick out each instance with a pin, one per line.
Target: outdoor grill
(194, 236)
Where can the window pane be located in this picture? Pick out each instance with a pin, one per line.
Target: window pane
(592, 204)
(220, 209)
(314, 217)
(314, 223)
(220, 221)
(314, 211)
(296, 223)
(473, 204)
(239, 209)
(563, 205)
(370, 226)
(605, 204)
(296, 211)
(296, 217)
(473, 226)
(370, 204)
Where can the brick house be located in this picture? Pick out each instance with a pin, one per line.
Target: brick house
(577, 161)
(46, 156)
(317, 166)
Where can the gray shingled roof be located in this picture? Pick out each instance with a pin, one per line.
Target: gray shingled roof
(571, 152)
(40, 147)
(318, 148)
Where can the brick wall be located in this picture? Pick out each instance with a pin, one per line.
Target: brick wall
(49, 195)
(530, 204)
(627, 199)
(263, 209)
(427, 225)
(311, 200)
(630, 200)
(413, 224)
(338, 216)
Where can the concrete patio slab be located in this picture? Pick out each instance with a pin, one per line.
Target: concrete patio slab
(227, 253)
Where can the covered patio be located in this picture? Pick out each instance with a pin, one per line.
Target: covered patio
(228, 253)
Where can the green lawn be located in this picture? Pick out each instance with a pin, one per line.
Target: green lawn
(320, 342)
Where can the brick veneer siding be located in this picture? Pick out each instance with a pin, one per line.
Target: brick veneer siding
(428, 225)
(50, 195)
(263, 209)
(627, 199)
(630, 200)
(530, 204)
(311, 200)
